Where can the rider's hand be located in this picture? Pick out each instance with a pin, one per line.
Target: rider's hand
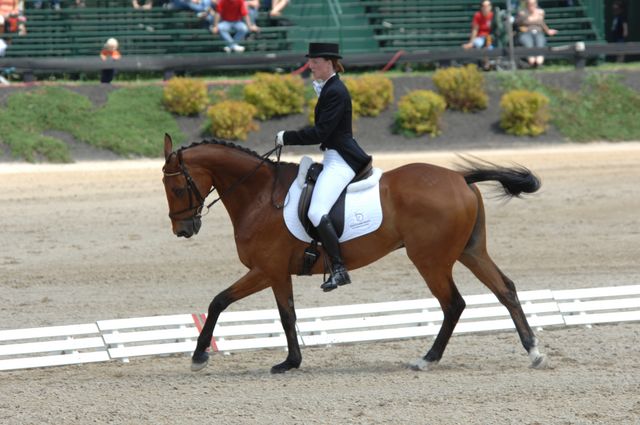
(280, 138)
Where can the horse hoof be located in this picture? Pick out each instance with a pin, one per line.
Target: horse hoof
(283, 367)
(199, 361)
(541, 362)
(422, 364)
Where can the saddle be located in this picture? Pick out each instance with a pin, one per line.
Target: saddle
(336, 214)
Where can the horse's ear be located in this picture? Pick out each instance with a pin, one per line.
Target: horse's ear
(168, 145)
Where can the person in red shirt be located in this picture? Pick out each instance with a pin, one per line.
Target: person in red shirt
(232, 16)
(481, 27)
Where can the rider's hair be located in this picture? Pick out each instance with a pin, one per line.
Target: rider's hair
(337, 65)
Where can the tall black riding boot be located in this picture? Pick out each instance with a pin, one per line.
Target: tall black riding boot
(329, 239)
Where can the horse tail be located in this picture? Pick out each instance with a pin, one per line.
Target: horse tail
(515, 180)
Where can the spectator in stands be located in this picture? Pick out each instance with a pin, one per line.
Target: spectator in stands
(275, 7)
(109, 53)
(142, 4)
(11, 11)
(253, 6)
(3, 45)
(7, 7)
(55, 4)
(199, 6)
(532, 30)
(232, 16)
(481, 27)
(619, 25)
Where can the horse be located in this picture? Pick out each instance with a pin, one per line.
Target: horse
(436, 214)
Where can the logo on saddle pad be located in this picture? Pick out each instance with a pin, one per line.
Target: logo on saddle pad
(356, 213)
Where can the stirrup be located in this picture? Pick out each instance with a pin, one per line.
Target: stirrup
(339, 277)
(329, 285)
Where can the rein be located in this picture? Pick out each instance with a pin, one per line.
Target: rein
(192, 188)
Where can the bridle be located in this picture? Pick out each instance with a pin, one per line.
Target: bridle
(192, 189)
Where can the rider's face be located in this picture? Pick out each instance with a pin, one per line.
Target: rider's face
(321, 68)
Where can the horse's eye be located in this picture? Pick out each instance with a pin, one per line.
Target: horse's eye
(179, 191)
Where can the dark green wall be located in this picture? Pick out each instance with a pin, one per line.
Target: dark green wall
(596, 10)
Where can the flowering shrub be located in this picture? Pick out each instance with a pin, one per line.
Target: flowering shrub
(370, 94)
(275, 95)
(185, 96)
(232, 119)
(524, 113)
(462, 88)
(419, 112)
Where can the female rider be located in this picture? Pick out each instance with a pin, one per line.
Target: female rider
(343, 157)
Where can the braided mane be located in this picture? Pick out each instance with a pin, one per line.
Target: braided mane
(214, 141)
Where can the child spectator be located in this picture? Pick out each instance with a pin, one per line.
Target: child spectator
(109, 52)
(232, 16)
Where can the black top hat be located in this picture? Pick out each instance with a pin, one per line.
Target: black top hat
(324, 50)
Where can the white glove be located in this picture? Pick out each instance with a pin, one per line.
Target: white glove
(280, 138)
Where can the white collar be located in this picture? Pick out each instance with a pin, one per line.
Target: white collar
(319, 84)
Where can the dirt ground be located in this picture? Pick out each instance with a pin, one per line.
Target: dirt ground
(91, 241)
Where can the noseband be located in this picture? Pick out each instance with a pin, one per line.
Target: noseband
(193, 189)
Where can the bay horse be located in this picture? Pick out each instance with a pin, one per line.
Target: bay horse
(436, 214)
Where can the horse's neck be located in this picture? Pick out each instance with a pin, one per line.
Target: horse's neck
(240, 178)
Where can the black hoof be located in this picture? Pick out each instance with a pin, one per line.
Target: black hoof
(199, 361)
(284, 366)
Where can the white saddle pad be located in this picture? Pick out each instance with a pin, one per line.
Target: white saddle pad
(363, 211)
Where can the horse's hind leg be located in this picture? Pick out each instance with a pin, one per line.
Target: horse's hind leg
(478, 261)
(284, 298)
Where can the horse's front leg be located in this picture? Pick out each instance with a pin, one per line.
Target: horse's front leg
(284, 298)
(250, 283)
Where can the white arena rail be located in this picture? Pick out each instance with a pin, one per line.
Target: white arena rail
(250, 330)
(146, 336)
(599, 305)
(164, 335)
(51, 346)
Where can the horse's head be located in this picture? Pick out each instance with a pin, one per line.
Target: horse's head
(184, 188)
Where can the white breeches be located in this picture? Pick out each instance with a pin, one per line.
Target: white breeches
(335, 176)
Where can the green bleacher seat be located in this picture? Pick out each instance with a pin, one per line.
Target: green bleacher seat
(361, 26)
(81, 31)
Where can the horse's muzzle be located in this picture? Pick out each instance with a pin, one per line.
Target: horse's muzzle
(188, 228)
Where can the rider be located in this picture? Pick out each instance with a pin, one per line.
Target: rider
(343, 157)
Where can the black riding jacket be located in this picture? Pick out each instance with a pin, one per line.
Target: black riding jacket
(332, 129)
